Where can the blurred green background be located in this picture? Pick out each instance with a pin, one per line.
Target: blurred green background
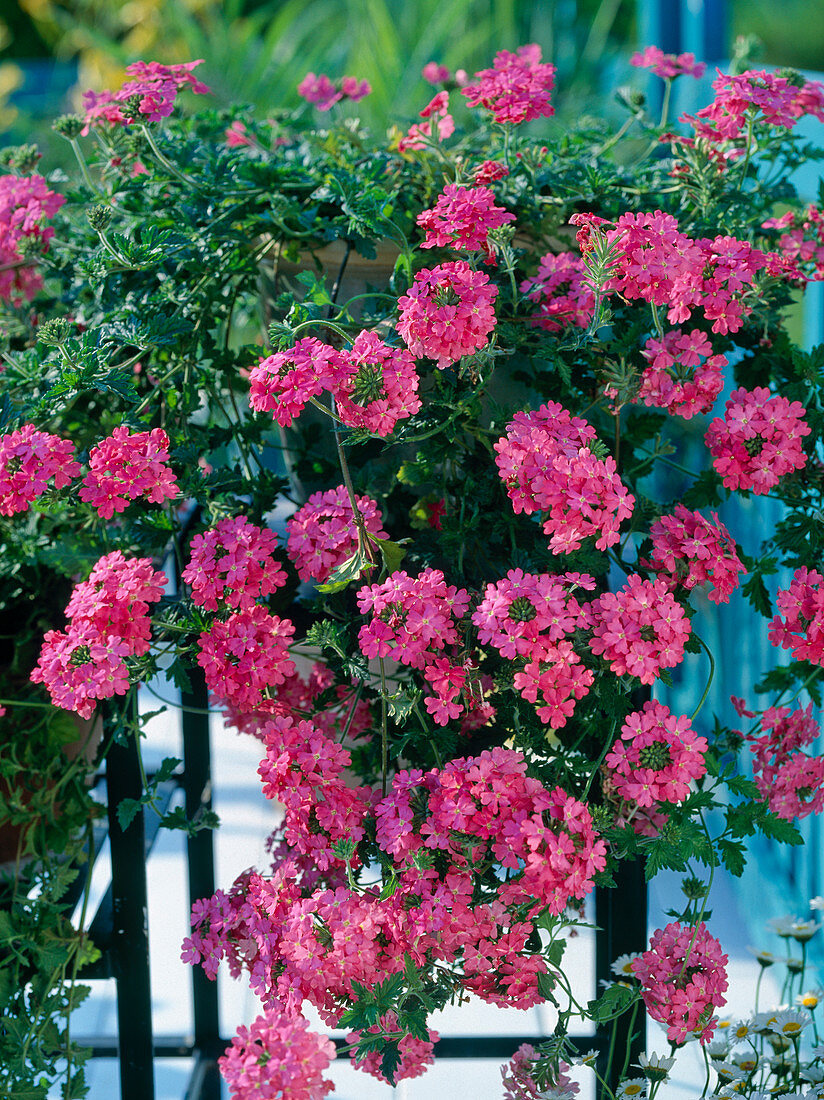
(255, 51)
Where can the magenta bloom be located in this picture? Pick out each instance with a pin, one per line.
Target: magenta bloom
(231, 565)
(25, 203)
(771, 99)
(435, 74)
(799, 624)
(150, 94)
(416, 1054)
(759, 439)
(114, 600)
(791, 781)
(283, 383)
(462, 218)
(324, 94)
(80, 666)
(126, 466)
(277, 1055)
(668, 65)
(421, 134)
(547, 465)
(448, 312)
(683, 978)
(656, 757)
(516, 89)
(561, 292)
(695, 551)
(322, 534)
(377, 385)
(29, 460)
(640, 629)
(683, 375)
(245, 655)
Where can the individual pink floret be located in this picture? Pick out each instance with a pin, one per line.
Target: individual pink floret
(799, 624)
(683, 978)
(377, 385)
(561, 292)
(447, 313)
(277, 1055)
(758, 440)
(413, 618)
(656, 757)
(126, 466)
(245, 655)
(323, 534)
(696, 551)
(516, 89)
(231, 565)
(29, 460)
(640, 629)
(462, 218)
(668, 65)
(683, 376)
(283, 383)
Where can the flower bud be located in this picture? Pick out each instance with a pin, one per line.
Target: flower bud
(68, 126)
(55, 332)
(99, 216)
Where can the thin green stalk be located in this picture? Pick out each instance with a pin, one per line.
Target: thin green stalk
(84, 168)
(172, 169)
(384, 729)
(703, 698)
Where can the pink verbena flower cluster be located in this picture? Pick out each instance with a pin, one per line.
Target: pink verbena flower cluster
(689, 550)
(488, 171)
(447, 312)
(758, 97)
(277, 1055)
(150, 95)
(561, 292)
(126, 466)
(324, 93)
(412, 618)
(245, 655)
(433, 73)
(659, 264)
(531, 617)
(801, 246)
(683, 978)
(791, 781)
(231, 565)
(421, 134)
(640, 629)
(374, 384)
(25, 203)
(516, 89)
(759, 439)
(799, 624)
(547, 463)
(656, 757)
(29, 460)
(416, 1054)
(108, 621)
(462, 219)
(520, 1084)
(683, 375)
(668, 65)
(323, 534)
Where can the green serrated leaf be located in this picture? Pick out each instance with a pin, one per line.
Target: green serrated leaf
(127, 811)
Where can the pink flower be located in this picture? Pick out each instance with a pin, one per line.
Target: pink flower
(436, 74)
(799, 625)
(377, 385)
(520, 1084)
(759, 439)
(683, 978)
(668, 65)
(766, 98)
(114, 600)
(695, 551)
(547, 464)
(283, 383)
(516, 89)
(488, 171)
(323, 534)
(462, 218)
(237, 135)
(231, 565)
(561, 292)
(80, 666)
(151, 94)
(683, 376)
(421, 134)
(640, 629)
(791, 781)
(277, 1055)
(656, 757)
(802, 246)
(245, 655)
(25, 203)
(320, 90)
(448, 312)
(29, 460)
(126, 466)
(416, 1055)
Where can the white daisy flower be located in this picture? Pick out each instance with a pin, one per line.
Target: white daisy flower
(790, 1024)
(636, 1087)
(622, 967)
